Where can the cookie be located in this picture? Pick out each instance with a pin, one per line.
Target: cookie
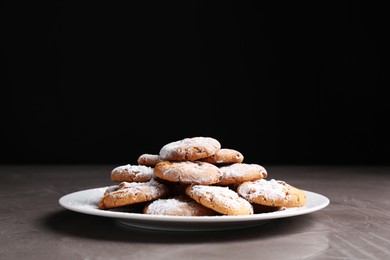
(188, 172)
(149, 159)
(111, 189)
(241, 172)
(220, 199)
(129, 193)
(272, 192)
(190, 149)
(178, 206)
(224, 156)
(130, 173)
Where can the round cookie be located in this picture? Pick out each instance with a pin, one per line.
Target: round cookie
(188, 172)
(224, 156)
(149, 159)
(130, 173)
(133, 192)
(241, 172)
(178, 206)
(190, 149)
(272, 192)
(220, 199)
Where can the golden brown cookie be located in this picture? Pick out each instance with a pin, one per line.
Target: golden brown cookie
(241, 172)
(220, 199)
(272, 192)
(190, 149)
(224, 156)
(188, 172)
(149, 159)
(130, 173)
(133, 192)
(178, 206)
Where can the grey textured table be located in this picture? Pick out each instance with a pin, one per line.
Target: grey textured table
(355, 225)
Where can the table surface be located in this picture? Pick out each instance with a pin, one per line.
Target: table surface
(355, 225)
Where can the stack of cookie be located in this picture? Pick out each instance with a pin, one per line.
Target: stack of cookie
(197, 177)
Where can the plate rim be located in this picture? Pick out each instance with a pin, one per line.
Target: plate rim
(64, 201)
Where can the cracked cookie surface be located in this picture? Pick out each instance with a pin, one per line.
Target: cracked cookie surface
(220, 199)
(188, 172)
(190, 149)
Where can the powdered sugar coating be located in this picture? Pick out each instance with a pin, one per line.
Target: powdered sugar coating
(190, 149)
(150, 189)
(221, 199)
(137, 173)
(225, 156)
(188, 172)
(177, 207)
(270, 189)
(241, 172)
(149, 159)
(165, 207)
(133, 192)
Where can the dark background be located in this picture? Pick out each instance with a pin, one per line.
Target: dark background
(284, 83)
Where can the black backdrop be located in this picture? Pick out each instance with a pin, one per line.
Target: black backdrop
(284, 83)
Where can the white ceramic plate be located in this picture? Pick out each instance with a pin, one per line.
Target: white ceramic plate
(85, 201)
